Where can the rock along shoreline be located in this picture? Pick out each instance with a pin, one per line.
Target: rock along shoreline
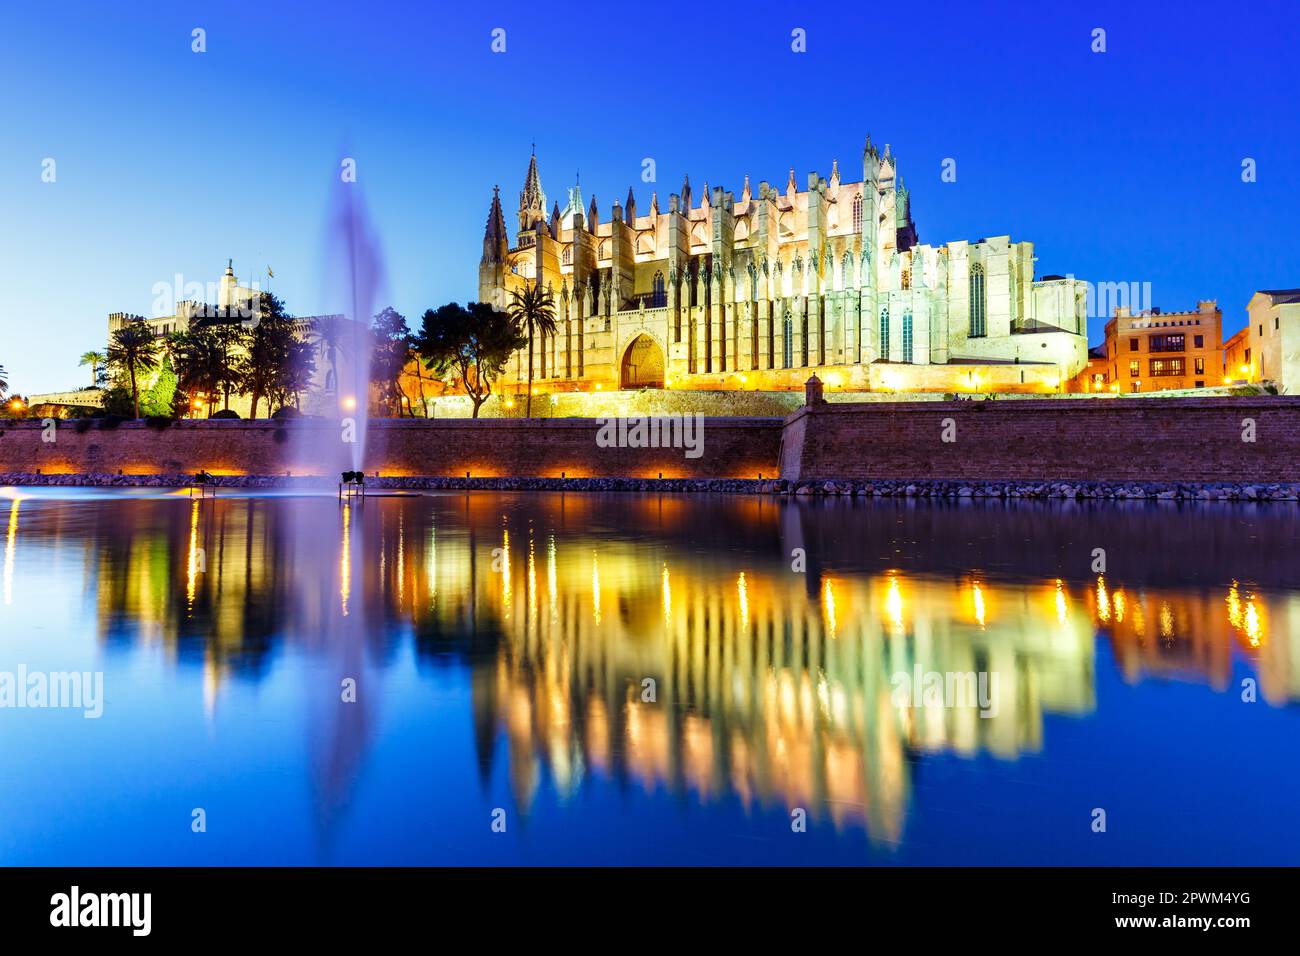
(881, 488)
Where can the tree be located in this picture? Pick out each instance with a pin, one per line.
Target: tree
(388, 356)
(95, 360)
(263, 369)
(133, 349)
(413, 355)
(196, 356)
(533, 310)
(232, 339)
(296, 376)
(4, 381)
(158, 400)
(474, 344)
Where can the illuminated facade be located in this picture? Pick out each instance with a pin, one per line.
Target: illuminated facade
(1154, 351)
(758, 291)
(1271, 348)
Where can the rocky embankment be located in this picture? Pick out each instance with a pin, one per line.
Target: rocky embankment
(1128, 490)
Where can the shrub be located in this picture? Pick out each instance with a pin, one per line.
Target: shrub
(108, 422)
(226, 413)
(285, 413)
(158, 422)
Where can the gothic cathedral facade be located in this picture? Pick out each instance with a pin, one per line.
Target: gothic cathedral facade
(762, 291)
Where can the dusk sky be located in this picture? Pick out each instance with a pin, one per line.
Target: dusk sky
(1124, 166)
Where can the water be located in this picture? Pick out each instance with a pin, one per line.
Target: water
(355, 269)
(499, 645)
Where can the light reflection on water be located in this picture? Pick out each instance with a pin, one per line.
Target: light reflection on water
(648, 679)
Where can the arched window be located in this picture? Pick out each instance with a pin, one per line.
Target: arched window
(884, 333)
(907, 337)
(857, 213)
(977, 324)
(787, 340)
(566, 258)
(658, 298)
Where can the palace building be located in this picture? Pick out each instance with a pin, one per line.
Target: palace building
(763, 290)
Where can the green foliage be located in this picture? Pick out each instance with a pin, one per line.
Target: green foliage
(133, 352)
(264, 372)
(98, 363)
(532, 309)
(158, 399)
(389, 355)
(473, 344)
(118, 401)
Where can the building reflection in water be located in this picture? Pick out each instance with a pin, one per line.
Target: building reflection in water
(667, 643)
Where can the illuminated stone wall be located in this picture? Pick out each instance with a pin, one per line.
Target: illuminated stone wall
(732, 447)
(1170, 440)
(1176, 439)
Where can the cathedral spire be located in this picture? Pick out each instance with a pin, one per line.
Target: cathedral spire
(629, 208)
(686, 194)
(532, 201)
(593, 214)
(495, 240)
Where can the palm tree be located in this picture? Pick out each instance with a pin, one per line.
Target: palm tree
(4, 381)
(134, 348)
(533, 310)
(94, 360)
(196, 357)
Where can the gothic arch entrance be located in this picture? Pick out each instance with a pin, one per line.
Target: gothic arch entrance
(643, 364)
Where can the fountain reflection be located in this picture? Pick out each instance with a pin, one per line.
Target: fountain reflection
(678, 654)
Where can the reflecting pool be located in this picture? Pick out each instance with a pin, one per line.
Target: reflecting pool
(646, 679)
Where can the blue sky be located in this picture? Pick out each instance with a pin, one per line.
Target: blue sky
(1122, 166)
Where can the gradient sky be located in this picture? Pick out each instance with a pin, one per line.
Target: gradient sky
(1122, 166)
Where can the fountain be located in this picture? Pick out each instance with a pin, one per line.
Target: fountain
(354, 277)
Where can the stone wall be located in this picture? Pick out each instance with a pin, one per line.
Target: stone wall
(1171, 440)
(730, 448)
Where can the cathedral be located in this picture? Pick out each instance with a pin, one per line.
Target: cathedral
(763, 290)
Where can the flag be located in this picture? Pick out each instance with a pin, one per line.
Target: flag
(269, 273)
